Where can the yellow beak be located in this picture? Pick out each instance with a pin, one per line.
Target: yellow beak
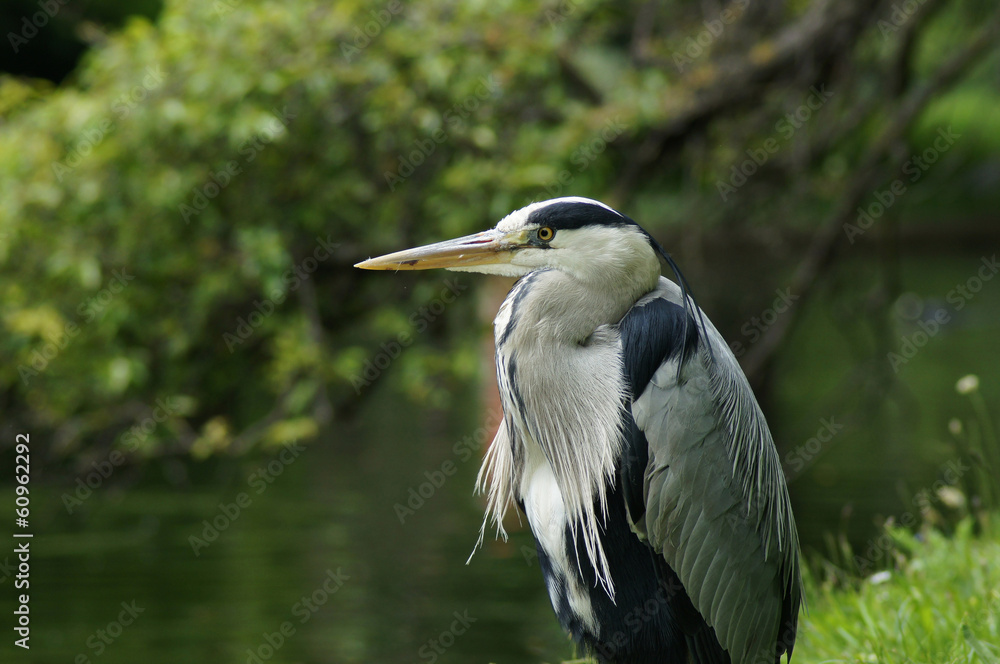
(487, 248)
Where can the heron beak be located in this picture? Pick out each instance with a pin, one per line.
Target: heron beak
(487, 248)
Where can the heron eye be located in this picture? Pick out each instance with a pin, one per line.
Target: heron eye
(545, 233)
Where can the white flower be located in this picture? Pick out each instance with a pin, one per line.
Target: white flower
(951, 497)
(967, 384)
(879, 577)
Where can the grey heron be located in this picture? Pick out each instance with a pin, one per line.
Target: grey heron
(632, 442)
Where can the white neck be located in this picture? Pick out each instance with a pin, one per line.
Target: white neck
(559, 367)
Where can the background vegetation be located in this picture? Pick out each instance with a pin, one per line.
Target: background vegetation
(939, 604)
(184, 188)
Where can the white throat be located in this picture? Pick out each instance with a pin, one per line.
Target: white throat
(558, 366)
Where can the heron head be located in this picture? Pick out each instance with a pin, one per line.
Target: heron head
(579, 236)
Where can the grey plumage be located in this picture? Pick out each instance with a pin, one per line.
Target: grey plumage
(717, 506)
(632, 442)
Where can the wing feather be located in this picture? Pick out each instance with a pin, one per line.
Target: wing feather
(716, 505)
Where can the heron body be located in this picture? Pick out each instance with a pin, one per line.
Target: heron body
(632, 442)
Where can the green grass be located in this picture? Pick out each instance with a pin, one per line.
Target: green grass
(939, 604)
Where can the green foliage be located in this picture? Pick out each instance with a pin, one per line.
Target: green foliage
(181, 224)
(179, 221)
(163, 221)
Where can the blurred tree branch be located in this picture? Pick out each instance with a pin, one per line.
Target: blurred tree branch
(823, 248)
(824, 32)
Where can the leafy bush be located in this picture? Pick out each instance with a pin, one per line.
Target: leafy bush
(178, 222)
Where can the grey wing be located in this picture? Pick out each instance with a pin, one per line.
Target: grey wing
(713, 497)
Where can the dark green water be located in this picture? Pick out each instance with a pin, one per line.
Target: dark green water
(394, 591)
(894, 411)
(397, 586)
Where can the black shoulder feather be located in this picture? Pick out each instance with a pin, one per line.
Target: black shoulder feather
(652, 333)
